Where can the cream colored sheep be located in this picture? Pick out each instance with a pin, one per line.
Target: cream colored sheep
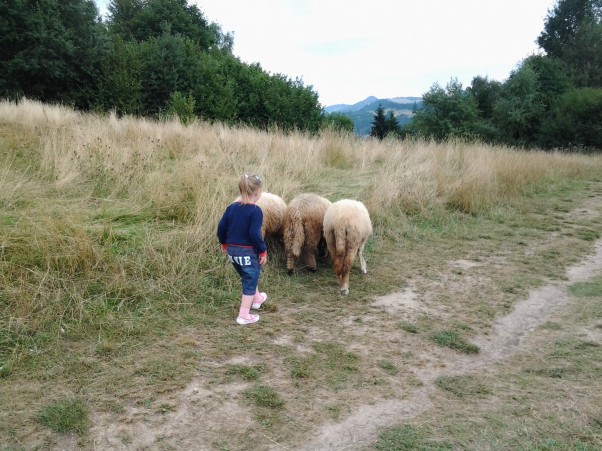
(347, 226)
(303, 223)
(273, 208)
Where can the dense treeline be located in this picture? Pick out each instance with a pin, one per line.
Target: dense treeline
(552, 100)
(162, 58)
(148, 58)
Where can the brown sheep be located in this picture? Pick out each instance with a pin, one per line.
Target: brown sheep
(347, 227)
(273, 208)
(303, 223)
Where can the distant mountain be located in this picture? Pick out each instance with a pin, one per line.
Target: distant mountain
(405, 99)
(355, 107)
(362, 113)
(339, 108)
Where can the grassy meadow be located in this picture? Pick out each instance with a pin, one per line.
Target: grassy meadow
(117, 308)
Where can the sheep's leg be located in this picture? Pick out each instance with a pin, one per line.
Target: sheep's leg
(310, 260)
(290, 262)
(322, 249)
(360, 254)
(345, 271)
(344, 283)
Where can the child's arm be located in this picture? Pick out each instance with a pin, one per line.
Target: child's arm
(222, 231)
(255, 232)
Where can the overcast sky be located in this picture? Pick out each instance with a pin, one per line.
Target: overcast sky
(350, 49)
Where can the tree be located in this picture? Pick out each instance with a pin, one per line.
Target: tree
(449, 112)
(575, 121)
(384, 124)
(51, 50)
(573, 34)
(485, 93)
(216, 91)
(528, 97)
(518, 113)
(552, 78)
(169, 64)
(379, 124)
(141, 20)
(120, 86)
(181, 107)
(563, 23)
(339, 122)
(583, 59)
(392, 125)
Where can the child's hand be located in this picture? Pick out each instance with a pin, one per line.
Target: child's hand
(263, 258)
(224, 247)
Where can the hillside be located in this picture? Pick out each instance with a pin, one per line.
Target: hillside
(477, 326)
(362, 113)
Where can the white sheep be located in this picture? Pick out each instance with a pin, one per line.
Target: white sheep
(273, 208)
(303, 223)
(347, 226)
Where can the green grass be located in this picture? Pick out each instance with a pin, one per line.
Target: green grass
(409, 327)
(388, 367)
(263, 396)
(408, 438)
(330, 364)
(463, 386)
(587, 289)
(68, 415)
(451, 339)
(247, 373)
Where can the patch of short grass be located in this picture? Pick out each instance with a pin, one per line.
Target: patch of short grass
(451, 339)
(330, 363)
(248, 373)
(264, 396)
(463, 386)
(67, 415)
(556, 373)
(411, 328)
(587, 289)
(4, 370)
(388, 367)
(408, 438)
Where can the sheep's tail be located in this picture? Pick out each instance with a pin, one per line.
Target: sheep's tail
(295, 235)
(340, 240)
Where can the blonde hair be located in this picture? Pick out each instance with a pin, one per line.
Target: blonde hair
(248, 185)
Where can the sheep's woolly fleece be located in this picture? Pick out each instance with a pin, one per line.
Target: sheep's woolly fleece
(273, 208)
(303, 224)
(347, 226)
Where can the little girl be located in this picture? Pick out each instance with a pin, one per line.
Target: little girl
(239, 234)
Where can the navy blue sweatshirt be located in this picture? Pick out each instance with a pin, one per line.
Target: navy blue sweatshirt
(241, 225)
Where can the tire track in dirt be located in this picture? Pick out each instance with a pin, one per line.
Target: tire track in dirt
(509, 334)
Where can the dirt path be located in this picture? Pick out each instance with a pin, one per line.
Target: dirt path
(509, 334)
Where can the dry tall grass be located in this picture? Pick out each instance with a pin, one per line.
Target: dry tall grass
(101, 213)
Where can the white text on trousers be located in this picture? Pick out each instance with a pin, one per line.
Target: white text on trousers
(242, 261)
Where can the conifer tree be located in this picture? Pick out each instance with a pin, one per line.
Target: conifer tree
(379, 124)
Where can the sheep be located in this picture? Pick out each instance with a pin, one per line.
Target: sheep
(347, 226)
(273, 208)
(303, 223)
